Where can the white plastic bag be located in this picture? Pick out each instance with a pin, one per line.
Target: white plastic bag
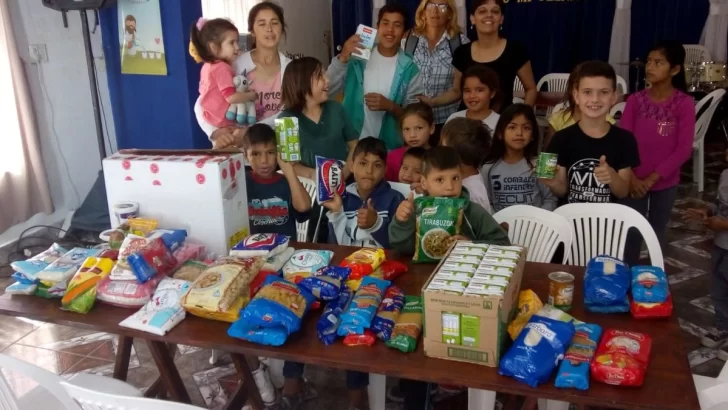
(66, 266)
(163, 312)
(30, 267)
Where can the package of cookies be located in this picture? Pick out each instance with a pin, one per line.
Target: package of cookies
(223, 282)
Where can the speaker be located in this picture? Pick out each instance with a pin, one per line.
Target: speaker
(66, 5)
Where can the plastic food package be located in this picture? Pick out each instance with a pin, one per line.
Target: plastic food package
(64, 267)
(262, 244)
(18, 288)
(622, 358)
(230, 315)
(329, 179)
(190, 270)
(555, 314)
(363, 306)
(173, 239)
(386, 317)
(574, 369)
(606, 281)
(649, 284)
(537, 350)
(30, 267)
(304, 263)
(391, 270)
(20, 278)
(617, 307)
(131, 244)
(112, 254)
(163, 312)
(651, 310)
(49, 292)
(153, 259)
(218, 286)
(438, 219)
(409, 325)
(363, 262)
(279, 303)
(142, 226)
(528, 305)
(270, 336)
(259, 280)
(275, 263)
(81, 290)
(325, 284)
(189, 251)
(126, 293)
(328, 324)
(366, 339)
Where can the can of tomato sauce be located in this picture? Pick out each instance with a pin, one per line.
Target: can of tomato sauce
(561, 290)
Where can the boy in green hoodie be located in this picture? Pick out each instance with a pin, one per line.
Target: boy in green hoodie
(441, 177)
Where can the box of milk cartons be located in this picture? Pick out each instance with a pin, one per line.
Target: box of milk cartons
(288, 138)
(368, 36)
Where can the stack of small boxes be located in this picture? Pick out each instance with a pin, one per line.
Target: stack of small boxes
(472, 269)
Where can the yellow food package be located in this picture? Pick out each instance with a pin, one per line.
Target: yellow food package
(230, 315)
(81, 291)
(142, 226)
(363, 262)
(528, 304)
(222, 283)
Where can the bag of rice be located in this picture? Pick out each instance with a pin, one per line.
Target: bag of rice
(163, 312)
(622, 358)
(438, 219)
(363, 306)
(574, 369)
(218, 286)
(190, 270)
(131, 244)
(328, 324)
(303, 263)
(528, 305)
(269, 336)
(363, 262)
(81, 290)
(537, 350)
(63, 268)
(126, 293)
(325, 284)
(649, 284)
(606, 281)
(18, 288)
(276, 262)
(30, 267)
(387, 313)
(261, 244)
(279, 303)
(409, 325)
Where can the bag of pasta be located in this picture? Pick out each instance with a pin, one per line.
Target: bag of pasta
(438, 220)
(279, 303)
(409, 325)
(223, 282)
(363, 306)
(387, 314)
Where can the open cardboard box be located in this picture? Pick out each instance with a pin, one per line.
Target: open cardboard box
(494, 314)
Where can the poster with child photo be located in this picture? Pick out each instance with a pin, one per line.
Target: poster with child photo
(140, 37)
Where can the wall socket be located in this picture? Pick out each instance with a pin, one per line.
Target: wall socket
(38, 53)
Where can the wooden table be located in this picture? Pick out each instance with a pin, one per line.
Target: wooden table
(668, 384)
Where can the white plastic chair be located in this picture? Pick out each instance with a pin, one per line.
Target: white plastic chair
(701, 128)
(712, 393)
(617, 109)
(49, 394)
(302, 228)
(554, 82)
(91, 399)
(601, 229)
(696, 53)
(518, 86)
(622, 84)
(538, 230)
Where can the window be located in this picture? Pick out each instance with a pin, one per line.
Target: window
(235, 10)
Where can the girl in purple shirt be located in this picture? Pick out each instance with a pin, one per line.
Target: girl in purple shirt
(662, 119)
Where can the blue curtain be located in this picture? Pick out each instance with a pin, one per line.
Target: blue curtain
(346, 16)
(411, 6)
(653, 21)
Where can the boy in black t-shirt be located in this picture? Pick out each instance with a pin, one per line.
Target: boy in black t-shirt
(275, 202)
(595, 159)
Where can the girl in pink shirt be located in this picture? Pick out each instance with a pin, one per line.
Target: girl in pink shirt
(417, 123)
(215, 44)
(662, 119)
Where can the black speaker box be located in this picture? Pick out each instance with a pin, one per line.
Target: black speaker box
(67, 5)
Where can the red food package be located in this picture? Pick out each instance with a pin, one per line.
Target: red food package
(257, 283)
(367, 339)
(651, 310)
(153, 259)
(392, 269)
(622, 358)
(112, 254)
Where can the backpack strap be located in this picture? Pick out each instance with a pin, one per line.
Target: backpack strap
(455, 42)
(411, 45)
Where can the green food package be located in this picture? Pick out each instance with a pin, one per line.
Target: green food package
(287, 134)
(409, 325)
(438, 219)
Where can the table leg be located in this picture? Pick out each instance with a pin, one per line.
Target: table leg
(164, 359)
(377, 391)
(544, 404)
(156, 389)
(247, 390)
(123, 354)
(481, 399)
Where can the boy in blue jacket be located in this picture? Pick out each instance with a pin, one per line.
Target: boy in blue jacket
(362, 217)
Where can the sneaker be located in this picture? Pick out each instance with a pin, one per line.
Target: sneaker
(714, 339)
(265, 386)
(723, 352)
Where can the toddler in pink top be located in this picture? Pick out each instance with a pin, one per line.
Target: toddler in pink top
(417, 124)
(215, 44)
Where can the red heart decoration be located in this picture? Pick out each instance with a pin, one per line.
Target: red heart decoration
(156, 40)
(128, 178)
(156, 182)
(237, 165)
(154, 168)
(126, 164)
(224, 173)
(200, 179)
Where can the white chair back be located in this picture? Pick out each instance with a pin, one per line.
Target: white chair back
(622, 84)
(302, 228)
(555, 82)
(538, 230)
(517, 84)
(403, 189)
(713, 392)
(46, 380)
(601, 229)
(94, 400)
(617, 109)
(703, 121)
(696, 53)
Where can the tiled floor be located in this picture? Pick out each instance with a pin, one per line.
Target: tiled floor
(67, 351)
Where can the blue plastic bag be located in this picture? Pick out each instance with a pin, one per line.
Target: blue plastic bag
(574, 369)
(266, 308)
(325, 284)
(328, 324)
(329, 179)
(606, 281)
(617, 307)
(270, 336)
(649, 284)
(537, 350)
(363, 306)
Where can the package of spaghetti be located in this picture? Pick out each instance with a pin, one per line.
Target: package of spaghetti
(81, 290)
(279, 303)
(328, 324)
(574, 369)
(409, 325)
(363, 262)
(325, 284)
(386, 317)
(363, 306)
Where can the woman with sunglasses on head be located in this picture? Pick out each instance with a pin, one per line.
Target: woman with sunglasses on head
(432, 44)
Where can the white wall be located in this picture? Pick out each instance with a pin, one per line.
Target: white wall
(66, 107)
(308, 21)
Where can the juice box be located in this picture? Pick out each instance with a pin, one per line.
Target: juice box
(546, 165)
(288, 138)
(368, 35)
(451, 328)
(469, 329)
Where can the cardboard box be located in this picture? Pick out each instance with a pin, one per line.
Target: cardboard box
(287, 132)
(368, 38)
(202, 191)
(491, 314)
